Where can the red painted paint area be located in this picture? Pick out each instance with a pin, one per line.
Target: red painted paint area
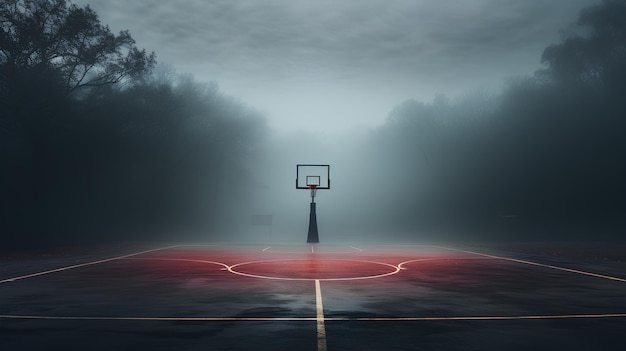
(386, 297)
(288, 263)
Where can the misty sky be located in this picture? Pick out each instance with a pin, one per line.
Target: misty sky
(335, 65)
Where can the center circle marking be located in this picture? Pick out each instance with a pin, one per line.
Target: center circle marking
(314, 269)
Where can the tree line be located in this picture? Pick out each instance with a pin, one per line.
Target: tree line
(98, 142)
(544, 159)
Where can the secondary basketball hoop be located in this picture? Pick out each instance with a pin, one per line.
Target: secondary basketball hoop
(313, 177)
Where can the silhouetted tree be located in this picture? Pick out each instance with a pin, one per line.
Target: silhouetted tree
(42, 34)
(87, 159)
(596, 53)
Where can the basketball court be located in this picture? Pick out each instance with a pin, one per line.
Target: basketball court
(309, 297)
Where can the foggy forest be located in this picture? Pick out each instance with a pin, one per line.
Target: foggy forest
(101, 142)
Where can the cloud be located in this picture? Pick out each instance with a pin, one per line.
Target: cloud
(414, 47)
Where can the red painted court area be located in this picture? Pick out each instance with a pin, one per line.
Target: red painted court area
(286, 297)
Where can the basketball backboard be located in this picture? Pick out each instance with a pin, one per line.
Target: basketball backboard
(317, 176)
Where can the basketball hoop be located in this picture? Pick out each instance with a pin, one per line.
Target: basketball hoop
(312, 177)
(313, 188)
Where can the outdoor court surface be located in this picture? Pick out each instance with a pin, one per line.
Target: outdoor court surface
(310, 297)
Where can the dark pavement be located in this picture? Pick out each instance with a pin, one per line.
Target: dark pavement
(263, 297)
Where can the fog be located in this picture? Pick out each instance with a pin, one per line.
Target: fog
(341, 210)
(425, 145)
(336, 65)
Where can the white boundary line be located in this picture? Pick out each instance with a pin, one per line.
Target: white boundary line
(321, 329)
(539, 264)
(166, 319)
(320, 319)
(317, 319)
(84, 264)
(482, 318)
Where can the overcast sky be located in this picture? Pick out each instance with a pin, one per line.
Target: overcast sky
(336, 65)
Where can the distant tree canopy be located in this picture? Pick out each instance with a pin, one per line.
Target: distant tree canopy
(85, 158)
(597, 53)
(546, 157)
(50, 34)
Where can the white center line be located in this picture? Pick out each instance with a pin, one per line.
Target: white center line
(321, 329)
(312, 249)
(265, 249)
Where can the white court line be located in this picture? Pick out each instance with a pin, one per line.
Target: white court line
(166, 319)
(321, 329)
(439, 259)
(481, 318)
(540, 265)
(324, 319)
(178, 259)
(84, 264)
(349, 250)
(233, 270)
